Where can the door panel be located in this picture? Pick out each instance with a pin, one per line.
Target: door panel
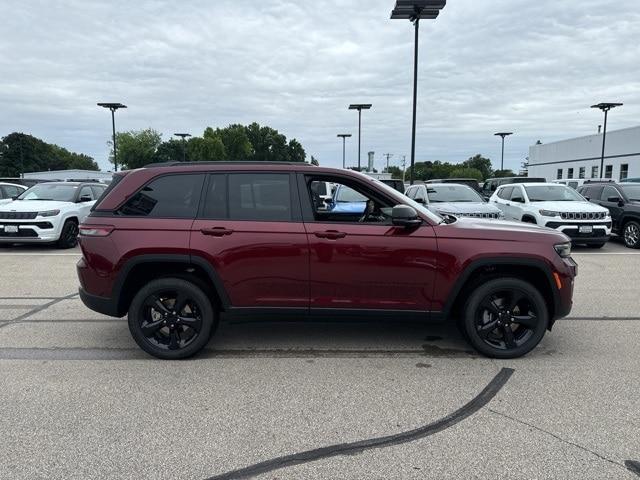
(369, 266)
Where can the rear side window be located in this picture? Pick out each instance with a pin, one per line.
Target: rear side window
(169, 196)
(260, 196)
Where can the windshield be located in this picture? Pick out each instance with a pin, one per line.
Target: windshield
(452, 193)
(632, 191)
(50, 191)
(347, 194)
(553, 193)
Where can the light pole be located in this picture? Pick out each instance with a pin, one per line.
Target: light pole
(502, 134)
(344, 136)
(414, 10)
(605, 107)
(184, 144)
(359, 107)
(113, 107)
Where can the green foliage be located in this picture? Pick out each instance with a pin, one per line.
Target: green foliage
(466, 172)
(206, 149)
(137, 148)
(18, 150)
(169, 151)
(396, 172)
(504, 173)
(480, 163)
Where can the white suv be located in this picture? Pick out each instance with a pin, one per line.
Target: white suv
(8, 191)
(48, 212)
(555, 206)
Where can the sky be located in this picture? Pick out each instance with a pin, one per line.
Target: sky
(530, 67)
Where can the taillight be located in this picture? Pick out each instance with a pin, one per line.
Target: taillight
(96, 230)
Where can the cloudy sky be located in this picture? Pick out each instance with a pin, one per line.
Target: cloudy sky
(531, 67)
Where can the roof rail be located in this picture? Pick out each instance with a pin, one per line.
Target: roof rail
(600, 180)
(225, 162)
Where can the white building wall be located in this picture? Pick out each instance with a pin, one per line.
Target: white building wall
(622, 148)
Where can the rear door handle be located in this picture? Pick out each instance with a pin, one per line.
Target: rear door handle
(330, 234)
(216, 231)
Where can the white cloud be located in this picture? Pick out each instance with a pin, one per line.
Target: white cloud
(530, 67)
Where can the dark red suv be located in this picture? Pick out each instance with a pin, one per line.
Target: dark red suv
(175, 245)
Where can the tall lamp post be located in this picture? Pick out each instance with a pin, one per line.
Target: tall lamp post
(113, 107)
(359, 107)
(344, 136)
(184, 144)
(502, 134)
(605, 107)
(414, 10)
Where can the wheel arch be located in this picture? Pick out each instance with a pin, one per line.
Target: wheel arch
(140, 269)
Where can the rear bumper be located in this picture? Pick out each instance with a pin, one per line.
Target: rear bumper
(104, 305)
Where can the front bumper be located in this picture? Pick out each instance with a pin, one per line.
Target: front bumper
(600, 233)
(29, 231)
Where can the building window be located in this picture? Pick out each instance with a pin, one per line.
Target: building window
(569, 172)
(559, 173)
(594, 172)
(581, 172)
(624, 171)
(608, 171)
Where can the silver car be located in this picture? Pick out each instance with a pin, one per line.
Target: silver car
(453, 199)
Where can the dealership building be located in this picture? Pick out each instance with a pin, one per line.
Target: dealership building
(580, 157)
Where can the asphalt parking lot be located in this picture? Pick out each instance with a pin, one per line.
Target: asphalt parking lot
(335, 400)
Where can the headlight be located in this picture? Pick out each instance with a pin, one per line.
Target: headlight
(49, 213)
(563, 249)
(549, 213)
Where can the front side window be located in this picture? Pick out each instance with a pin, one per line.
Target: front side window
(517, 194)
(260, 196)
(609, 192)
(169, 196)
(85, 195)
(10, 191)
(505, 193)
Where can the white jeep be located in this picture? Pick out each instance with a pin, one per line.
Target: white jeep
(555, 206)
(48, 213)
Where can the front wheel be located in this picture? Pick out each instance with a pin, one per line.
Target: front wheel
(171, 318)
(631, 234)
(505, 318)
(69, 235)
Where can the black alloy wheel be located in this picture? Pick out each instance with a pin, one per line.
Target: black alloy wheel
(505, 318)
(171, 318)
(69, 235)
(631, 234)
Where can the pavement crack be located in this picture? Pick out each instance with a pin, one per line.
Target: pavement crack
(557, 437)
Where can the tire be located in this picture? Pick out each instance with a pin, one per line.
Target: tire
(529, 220)
(167, 334)
(631, 234)
(493, 304)
(596, 245)
(69, 235)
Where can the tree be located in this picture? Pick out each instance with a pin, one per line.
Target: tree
(480, 163)
(297, 153)
(169, 151)
(206, 149)
(504, 173)
(137, 148)
(236, 142)
(466, 172)
(396, 172)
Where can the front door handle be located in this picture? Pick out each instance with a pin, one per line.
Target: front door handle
(330, 234)
(216, 231)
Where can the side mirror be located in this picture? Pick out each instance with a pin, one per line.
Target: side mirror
(420, 200)
(518, 199)
(15, 197)
(85, 198)
(614, 199)
(405, 216)
(587, 198)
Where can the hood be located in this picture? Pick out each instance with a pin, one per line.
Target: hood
(33, 206)
(504, 230)
(572, 206)
(463, 207)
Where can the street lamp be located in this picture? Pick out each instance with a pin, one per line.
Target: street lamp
(503, 134)
(414, 10)
(184, 144)
(605, 107)
(343, 136)
(359, 107)
(113, 107)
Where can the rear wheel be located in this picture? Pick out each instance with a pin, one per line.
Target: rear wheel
(69, 236)
(631, 234)
(505, 318)
(171, 318)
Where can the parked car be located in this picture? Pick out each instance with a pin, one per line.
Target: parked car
(623, 202)
(48, 213)
(570, 182)
(393, 183)
(470, 182)
(26, 182)
(491, 184)
(555, 206)
(453, 199)
(174, 246)
(8, 191)
(347, 201)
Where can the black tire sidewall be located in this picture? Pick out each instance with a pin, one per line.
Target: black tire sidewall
(500, 284)
(209, 318)
(624, 239)
(62, 241)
